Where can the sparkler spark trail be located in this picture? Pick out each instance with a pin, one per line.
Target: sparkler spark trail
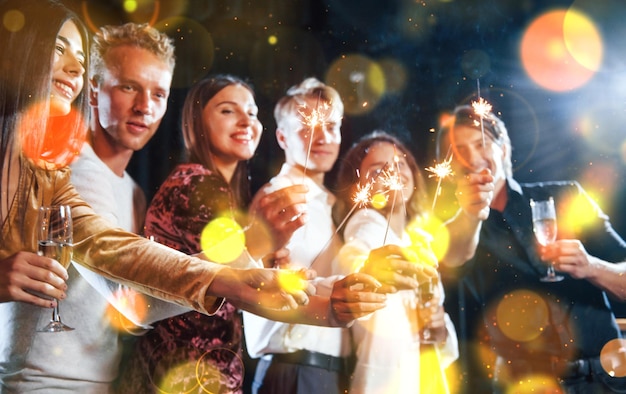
(481, 108)
(393, 182)
(441, 171)
(361, 198)
(318, 116)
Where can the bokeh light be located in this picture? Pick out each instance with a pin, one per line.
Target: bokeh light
(432, 225)
(582, 39)
(291, 281)
(60, 143)
(214, 380)
(130, 6)
(178, 379)
(378, 200)
(561, 50)
(13, 20)
(533, 384)
(421, 241)
(275, 61)
(96, 14)
(360, 82)
(575, 215)
(433, 377)
(600, 179)
(598, 121)
(132, 303)
(613, 358)
(522, 315)
(186, 366)
(222, 240)
(396, 75)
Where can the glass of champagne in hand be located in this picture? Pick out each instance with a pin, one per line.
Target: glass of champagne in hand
(425, 301)
(544, 227)
(55, 241)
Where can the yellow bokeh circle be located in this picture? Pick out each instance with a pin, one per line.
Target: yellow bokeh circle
(291, 281)
(522, 315)
(13, 20)
(222, 240)
(613, 358)
(378, 201)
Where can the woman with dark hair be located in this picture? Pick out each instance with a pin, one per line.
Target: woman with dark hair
(36, 96)
(349, 178)
(221, 132)
(387, 343)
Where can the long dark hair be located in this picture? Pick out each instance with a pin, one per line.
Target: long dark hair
(348, 179)
(28, 45)
(197, 142)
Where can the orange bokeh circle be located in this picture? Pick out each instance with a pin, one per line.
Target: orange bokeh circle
(561, 50)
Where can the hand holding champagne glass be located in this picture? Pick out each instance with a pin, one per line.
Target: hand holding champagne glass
(55, 242)
(544, 227)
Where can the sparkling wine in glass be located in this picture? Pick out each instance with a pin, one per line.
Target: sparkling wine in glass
(544, 227)
(55, 241)
(425, 301)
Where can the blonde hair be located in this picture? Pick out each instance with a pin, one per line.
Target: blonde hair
(138, 35)
(309, 88)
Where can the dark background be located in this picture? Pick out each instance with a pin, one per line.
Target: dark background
(433, 55)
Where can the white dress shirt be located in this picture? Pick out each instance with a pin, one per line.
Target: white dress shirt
(314, 245)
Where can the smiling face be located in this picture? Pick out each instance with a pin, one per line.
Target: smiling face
(130, 99)
(470, 156)
(230, 119)
(68, 68)
(314, 145)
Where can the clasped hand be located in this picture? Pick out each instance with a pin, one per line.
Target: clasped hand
(391, 267)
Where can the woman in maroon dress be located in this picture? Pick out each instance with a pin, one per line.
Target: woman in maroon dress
(193, 352)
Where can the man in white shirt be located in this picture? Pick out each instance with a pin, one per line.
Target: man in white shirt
(311, 358)
(129, 83)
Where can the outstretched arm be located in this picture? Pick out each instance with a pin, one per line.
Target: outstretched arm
(352, 297)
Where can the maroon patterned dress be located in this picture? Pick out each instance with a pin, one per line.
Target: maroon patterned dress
(190, 353)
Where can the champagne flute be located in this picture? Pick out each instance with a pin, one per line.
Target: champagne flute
(425, 301)
(544, 227)
(55, 241)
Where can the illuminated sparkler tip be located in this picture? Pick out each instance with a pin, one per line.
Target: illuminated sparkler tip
(441, 170)
(362, 195)
(481, 107)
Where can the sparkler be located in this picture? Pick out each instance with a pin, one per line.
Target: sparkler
(441, 171)
(361, 198)
(392, 182)
(481, 108)
(318, 116)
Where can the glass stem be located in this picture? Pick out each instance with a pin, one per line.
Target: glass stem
(55, 313)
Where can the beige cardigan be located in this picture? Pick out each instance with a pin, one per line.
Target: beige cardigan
(116, 254)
